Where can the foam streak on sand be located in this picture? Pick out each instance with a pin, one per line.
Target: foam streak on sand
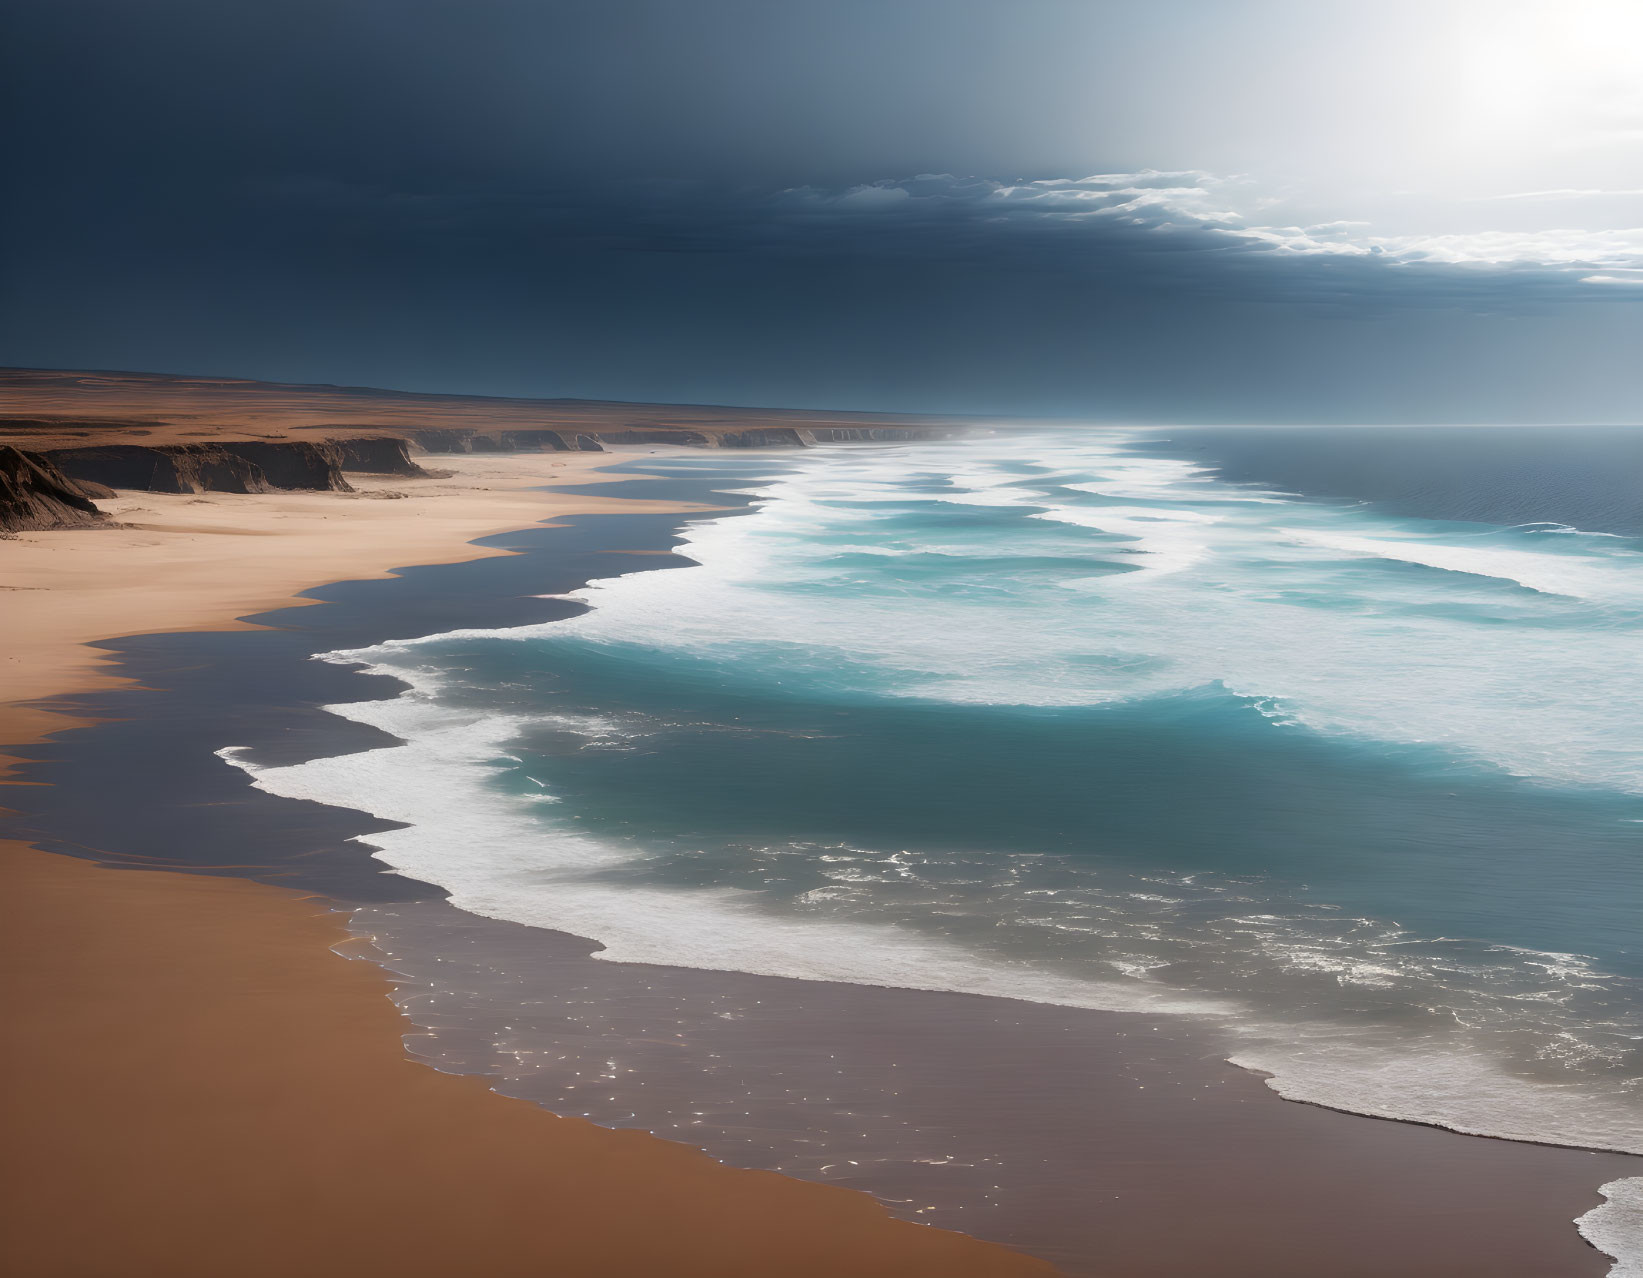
(1616, 1228)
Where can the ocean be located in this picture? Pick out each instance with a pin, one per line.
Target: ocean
(1326, 740)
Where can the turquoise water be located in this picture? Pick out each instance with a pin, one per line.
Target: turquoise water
(1075, 717)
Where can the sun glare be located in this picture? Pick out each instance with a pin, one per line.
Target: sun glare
(1572, 75)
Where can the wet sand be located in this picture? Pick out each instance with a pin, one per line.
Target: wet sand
(195, 1083)
(1105, 1142)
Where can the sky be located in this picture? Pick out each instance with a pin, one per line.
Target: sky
(1157, 211)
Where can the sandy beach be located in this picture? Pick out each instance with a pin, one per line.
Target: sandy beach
(821, 640)
(182, 1027)
(200, 561)
(197, 1083)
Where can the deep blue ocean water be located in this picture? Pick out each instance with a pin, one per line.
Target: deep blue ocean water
(1333, 739)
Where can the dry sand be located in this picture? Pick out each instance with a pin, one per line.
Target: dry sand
(196, 1084)
(187, 562)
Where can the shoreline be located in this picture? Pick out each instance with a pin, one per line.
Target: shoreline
(213, 1118)
(913, 1004)
(63, 603)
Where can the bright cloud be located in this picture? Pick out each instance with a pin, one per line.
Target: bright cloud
(1199, 210)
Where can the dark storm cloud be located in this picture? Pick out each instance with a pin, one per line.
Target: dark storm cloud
(1176, 231)
(708, 201)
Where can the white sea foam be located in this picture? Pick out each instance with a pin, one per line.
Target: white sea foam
(1129, 476)
(495, 856)
(1577, 576)
(1169, 539)
(1616, 1228)
(1225, 595)
(992, 497)
(1461, 1091)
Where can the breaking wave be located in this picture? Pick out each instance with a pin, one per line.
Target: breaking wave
(1043, 576)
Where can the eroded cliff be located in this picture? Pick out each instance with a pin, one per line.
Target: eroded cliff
(36, 494)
